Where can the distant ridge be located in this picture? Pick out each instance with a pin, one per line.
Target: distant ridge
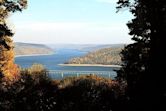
(86, 47)
(101, 46)
(31, 49)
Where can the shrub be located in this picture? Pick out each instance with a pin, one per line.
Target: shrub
(87, 93)
(37, 72)
(34, 91)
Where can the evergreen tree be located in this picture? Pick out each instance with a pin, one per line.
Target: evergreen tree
(8, 70)
(143, 60)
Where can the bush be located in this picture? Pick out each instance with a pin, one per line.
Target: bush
(87, 93)
(34, 91)
(37, 72)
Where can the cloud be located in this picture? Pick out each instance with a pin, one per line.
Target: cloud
(108, 1)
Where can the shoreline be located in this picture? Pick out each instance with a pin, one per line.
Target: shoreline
(90, 65)
(32, 55)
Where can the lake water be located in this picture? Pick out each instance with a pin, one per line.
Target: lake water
(59, 57)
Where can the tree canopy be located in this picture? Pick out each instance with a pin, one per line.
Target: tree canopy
(7, 67)
(143, 60)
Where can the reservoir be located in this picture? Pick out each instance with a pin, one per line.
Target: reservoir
(59, 57)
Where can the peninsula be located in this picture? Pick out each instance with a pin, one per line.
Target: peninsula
(28, 49)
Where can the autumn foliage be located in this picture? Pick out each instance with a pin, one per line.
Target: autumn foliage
(8, 70)
(34, 91)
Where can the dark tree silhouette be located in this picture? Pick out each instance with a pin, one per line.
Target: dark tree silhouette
(143, 61)
(8, 69)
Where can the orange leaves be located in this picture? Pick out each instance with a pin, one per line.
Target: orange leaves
(9, 70)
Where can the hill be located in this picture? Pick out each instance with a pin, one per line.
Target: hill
(91, 48)
(84, 47)
(31, 49)
(105, 56)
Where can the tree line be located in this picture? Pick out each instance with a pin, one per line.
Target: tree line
(106, 56)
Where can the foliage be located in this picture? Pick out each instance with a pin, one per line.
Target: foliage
(6, 44)
(106, 56)
(36, 71)
(88, 93)
(34, 91)
(143, 59)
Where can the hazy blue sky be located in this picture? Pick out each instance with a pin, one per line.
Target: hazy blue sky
(71, 21)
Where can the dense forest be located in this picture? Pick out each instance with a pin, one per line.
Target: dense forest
(106, 56)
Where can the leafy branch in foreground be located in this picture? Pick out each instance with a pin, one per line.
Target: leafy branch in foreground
(8, 70)
(34, 91)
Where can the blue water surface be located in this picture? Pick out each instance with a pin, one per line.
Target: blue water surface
(59, 57)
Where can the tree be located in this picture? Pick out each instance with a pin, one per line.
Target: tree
(8, 70)
(143, 60)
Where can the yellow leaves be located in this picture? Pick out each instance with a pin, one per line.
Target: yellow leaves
(23, 3)
(7, 66)
(3, 14)
(10, 71)
(36, 68)
(7, 55)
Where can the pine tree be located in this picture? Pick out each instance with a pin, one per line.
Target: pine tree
(8, 70)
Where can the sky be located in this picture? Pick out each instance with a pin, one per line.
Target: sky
(71, 22)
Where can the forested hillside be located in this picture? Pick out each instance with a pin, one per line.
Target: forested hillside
(106, 56)
(30, 49)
